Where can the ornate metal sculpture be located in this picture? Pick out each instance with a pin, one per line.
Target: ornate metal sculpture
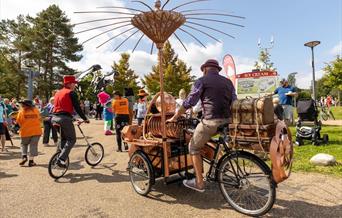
(158, 25)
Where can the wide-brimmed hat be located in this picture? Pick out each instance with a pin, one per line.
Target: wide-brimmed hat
(142, 93)
(69, 79)
(211, 63)
(27, 102)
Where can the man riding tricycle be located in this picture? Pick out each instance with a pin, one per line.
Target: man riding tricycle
(246, 181)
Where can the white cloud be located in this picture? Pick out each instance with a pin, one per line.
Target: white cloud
(304, 80)
(244, 64)
(141, 61)
(197, 55)
(337, 49)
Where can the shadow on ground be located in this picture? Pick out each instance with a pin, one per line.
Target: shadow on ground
(300, 209)
(10, 155)
(6, 175)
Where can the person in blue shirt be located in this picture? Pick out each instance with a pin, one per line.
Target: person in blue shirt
(286, 94)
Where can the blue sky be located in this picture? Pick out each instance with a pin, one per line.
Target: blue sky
(291, 23)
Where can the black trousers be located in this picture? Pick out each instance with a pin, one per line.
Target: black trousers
(47, 128)
(121, 120)
(68, 134)
(99, 112)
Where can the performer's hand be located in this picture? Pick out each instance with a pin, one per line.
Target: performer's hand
(87, 121)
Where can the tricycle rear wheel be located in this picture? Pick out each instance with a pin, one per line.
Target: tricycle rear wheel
(141, 173)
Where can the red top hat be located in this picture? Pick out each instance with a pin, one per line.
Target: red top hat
(69, 79)
(211, 63)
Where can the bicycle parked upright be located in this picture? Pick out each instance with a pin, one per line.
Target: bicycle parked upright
(93, 154)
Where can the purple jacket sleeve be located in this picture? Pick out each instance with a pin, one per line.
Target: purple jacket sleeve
(194, 95)
(234, 97)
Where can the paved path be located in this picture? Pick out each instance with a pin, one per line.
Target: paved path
(105, 191)
(332, 122)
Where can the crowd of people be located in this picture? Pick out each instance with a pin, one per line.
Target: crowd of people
(210, 99)
(31, 115)
(328, 101)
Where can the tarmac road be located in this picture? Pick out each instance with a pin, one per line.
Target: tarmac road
(105, 191)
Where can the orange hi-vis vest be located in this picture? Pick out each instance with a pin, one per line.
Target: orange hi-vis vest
(29, 122)
(120, 106)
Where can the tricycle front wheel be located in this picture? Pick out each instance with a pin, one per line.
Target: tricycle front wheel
(246, 184)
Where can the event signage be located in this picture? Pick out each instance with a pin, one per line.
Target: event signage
(256, 84)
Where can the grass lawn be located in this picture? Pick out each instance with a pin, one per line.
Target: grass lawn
(302, 154)
(337, 111)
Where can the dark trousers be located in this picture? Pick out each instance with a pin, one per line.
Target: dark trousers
(121, 120)
(98, 114)
(140, 120)
(47, 128)
(68, 134)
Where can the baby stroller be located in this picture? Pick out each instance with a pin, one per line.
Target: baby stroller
(308, 113)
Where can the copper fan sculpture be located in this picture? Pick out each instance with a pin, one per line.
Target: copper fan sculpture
(158, 25)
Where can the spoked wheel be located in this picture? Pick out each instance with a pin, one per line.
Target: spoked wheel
(94, 154)
(324, 116)
(141, 173)
(55, 171)
(246, 184)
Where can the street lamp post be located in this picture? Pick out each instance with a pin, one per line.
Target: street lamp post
(313, 44)
(30, 76)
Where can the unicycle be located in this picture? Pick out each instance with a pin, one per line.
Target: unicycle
(56, 171)
(93, 154)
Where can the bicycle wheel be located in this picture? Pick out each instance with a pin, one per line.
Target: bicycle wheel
(324, 116)
(246, 184)
(141, 173)
(55, 171)
(94, 154)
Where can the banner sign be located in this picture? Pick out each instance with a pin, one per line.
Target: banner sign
(229, 68)
(257, 83)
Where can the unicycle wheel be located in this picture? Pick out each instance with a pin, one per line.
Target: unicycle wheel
(56, 171)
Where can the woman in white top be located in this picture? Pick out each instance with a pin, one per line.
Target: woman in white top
(180, 100)
(142, 106)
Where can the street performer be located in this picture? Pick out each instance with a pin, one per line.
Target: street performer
(216, 94)
(66, 101)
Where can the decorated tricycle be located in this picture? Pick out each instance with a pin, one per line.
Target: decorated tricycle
(245, 180)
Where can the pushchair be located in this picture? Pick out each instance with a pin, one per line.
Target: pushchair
(14, 127)
(308, 115)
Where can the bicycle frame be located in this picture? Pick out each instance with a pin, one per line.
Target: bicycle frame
(214, 163)
(84, 137)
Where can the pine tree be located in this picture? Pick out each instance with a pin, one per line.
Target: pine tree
(125, 77)
(176, 74)
(15, 51)
(54, 45)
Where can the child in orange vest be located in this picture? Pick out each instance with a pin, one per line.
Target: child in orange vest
(30, 131)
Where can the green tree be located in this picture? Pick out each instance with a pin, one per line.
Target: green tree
(264, 61)
(54, 45)
(125, 76)
(176, 74)
(291, 78)
(334, 75)
(15, 50)
(322, 88)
